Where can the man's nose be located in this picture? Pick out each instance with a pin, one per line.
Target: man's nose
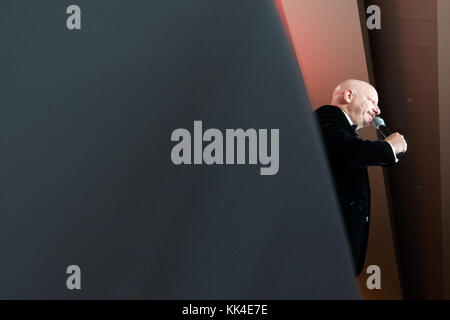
(377, 110)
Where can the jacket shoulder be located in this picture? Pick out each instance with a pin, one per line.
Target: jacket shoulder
(330, 114)
(327, 110)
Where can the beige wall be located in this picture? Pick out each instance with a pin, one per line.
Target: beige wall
(444, 122)
(328, 41)
(328, 46)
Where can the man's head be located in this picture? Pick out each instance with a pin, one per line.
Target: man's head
(358, 99)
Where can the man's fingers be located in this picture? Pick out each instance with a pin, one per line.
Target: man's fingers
(398, 142)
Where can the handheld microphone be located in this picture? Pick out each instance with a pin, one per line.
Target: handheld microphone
(381, 127)
(383, 130)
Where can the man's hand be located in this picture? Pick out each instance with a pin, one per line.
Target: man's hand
(397, 142)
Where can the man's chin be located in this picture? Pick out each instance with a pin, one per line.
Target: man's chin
(366, 124)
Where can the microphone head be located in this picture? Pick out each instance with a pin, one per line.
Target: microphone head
(377, 122)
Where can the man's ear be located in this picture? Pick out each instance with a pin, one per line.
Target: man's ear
(348, 95)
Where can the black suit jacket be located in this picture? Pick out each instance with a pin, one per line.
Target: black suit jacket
(349, 156)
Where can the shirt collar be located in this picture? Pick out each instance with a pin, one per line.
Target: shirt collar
(354, 126)
(348, 118)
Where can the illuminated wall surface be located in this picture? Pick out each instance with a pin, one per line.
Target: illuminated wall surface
(86, 175)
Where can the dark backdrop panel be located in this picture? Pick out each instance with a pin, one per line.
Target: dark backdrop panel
(86, 176)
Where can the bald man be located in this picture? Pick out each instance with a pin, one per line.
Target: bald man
(354, 105)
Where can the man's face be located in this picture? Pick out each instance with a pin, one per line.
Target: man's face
(363, 107)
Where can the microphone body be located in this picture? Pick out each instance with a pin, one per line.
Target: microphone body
(383, 130)
(381, 127)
